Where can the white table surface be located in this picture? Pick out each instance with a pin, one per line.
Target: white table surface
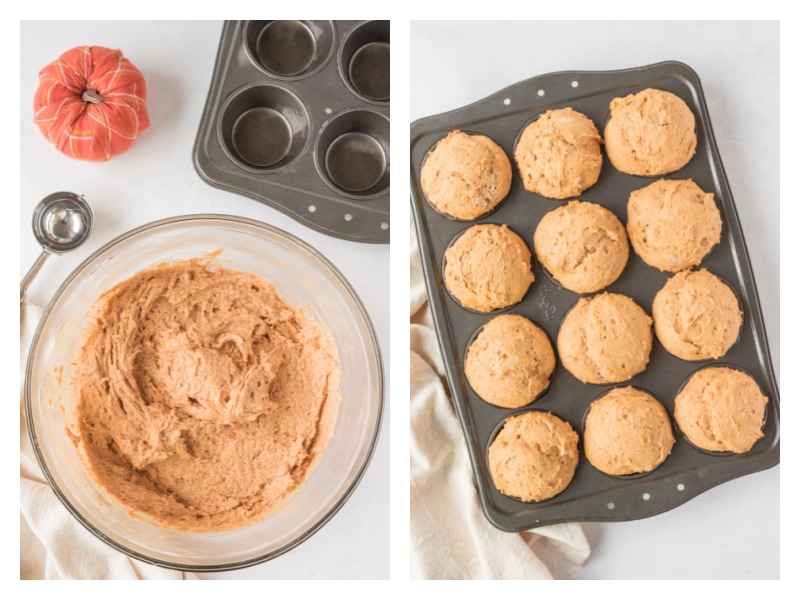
(156, 179)
(733, 530)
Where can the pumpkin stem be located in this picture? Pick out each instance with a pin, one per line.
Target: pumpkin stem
(92, 96)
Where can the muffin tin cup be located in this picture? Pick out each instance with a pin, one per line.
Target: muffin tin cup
(263, 127)
(352, 153)
(289, 49)
(710, 361)
(555, 201)
(364, 61)
(700, 367)
(297, 117)
(515, 412)
(592, 495)
(569, 308)
(487, 213)
(486, 313)
(710, 251)
(474, 337)
(676, 432)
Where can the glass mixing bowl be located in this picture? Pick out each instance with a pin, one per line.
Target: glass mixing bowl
(306, 280)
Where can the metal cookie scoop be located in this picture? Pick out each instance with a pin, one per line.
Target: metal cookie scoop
(61, 222)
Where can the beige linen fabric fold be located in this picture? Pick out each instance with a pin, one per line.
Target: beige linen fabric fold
(450, 536)
(52, 544)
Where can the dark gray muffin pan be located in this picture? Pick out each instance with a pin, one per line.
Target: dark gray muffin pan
(592, 495)
(297, 117)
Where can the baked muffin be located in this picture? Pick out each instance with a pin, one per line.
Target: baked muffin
(510, 361)
(721, 409)
(605, 338)
(627, 431)
(582, 245)
(488, 267)
(673, 224)
(534, 456)
(649, 133)
(696, 316)
(558, 155)
(466, 176)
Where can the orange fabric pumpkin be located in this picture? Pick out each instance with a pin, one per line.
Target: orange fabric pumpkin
(91, 103)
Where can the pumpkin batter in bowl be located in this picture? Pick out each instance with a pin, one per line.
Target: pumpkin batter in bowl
(250, 529)
(205, 399)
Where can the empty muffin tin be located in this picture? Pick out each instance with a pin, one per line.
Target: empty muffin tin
(297, 117)
(592, 495)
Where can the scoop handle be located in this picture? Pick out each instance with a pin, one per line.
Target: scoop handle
(23, 286)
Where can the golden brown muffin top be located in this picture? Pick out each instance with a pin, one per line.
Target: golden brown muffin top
(558, 155)
(649, 133)
(466, 176)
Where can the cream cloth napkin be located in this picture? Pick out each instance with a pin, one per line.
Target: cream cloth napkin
(53, 545)
(450, 536)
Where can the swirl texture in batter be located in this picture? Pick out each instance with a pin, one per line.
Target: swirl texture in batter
(205, 399)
